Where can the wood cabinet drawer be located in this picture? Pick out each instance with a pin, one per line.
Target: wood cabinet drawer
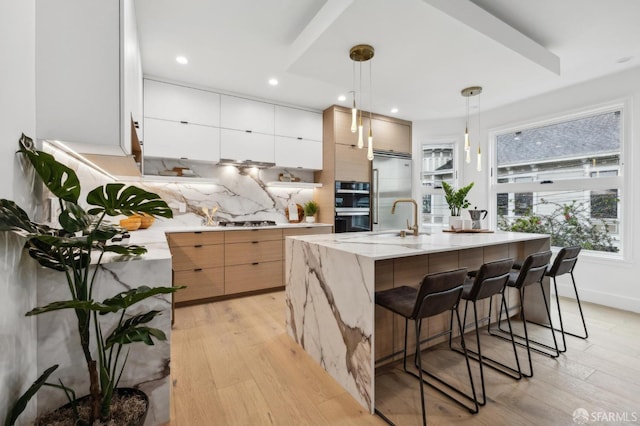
(309, 230)
(252, 235)
(241, 278)
(252, 252)
(197, 257)
(178, 239)
(200, 284)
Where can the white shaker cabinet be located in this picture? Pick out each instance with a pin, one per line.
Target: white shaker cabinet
(84, 95)
(172, 139)
(179, 103)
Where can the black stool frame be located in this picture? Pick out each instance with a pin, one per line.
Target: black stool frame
(430, 305)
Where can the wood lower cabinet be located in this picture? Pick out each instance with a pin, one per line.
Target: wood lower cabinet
(198, 263)
(253, 260)
(221, 263)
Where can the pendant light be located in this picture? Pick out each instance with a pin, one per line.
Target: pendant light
(467, 93)
(354, 109)
(359, 53)
(370, 139)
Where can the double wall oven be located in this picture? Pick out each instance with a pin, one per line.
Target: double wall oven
(352, 206)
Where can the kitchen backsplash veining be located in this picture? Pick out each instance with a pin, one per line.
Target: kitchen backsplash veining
(238, 193)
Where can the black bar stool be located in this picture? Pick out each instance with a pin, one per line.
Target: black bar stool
(531, 272)
(490, 280)
(564, 263)
(437, 293)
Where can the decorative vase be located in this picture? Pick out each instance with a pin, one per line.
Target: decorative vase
(310, 219)
(455, 223)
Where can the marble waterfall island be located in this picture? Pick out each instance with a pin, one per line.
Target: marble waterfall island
(330, 289)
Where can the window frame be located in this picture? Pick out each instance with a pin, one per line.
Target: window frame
(622, 182)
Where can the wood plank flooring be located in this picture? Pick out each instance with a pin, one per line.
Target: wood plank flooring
(233, 364)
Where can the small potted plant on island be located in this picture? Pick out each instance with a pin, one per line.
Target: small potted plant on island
(457, 200)
(310, 209)
(76, 250)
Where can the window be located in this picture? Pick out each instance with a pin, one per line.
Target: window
(438, 165)
(563, 179)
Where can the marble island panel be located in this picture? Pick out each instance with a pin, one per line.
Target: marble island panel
(331, 281)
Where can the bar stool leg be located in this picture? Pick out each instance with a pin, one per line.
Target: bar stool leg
(419, 363)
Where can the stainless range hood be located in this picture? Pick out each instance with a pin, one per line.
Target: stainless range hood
(246, 163)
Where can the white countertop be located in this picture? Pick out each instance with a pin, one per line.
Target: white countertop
(154, 239)
(389, 245)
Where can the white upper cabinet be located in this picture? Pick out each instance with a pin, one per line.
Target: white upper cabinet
(242, 146)
(84, 96)
(298, 153)
(298, 123)
(172, 139)
(183, 104)
(246, 115)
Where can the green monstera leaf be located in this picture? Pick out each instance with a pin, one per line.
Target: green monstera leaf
(130, 331)
(130, 297)
(116, 199)
(14, 219)
(21, 403)
(84, 305)
(58, 178)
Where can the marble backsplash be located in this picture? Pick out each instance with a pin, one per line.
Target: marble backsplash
(238, 193)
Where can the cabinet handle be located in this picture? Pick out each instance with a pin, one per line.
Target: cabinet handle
(255, 263)
(184, 122)
(198, 245)
(197, 232)
(249, 131)
(255, 242)
(299, 139)
(136, 124)
(197, 270)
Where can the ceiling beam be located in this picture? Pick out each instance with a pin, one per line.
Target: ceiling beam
(485, 23)
(326, 16)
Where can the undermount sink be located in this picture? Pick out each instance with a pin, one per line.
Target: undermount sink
(397, 234)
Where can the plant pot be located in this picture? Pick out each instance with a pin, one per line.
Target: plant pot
(128, 397)
(455, 223)
(310, 219)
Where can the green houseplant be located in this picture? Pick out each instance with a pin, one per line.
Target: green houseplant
(69, 249)
(310, 209)
(456, 199)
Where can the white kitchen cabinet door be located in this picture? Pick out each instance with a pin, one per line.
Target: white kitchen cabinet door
(171, 139)
(298, 153)
(240, 146)
(244, 114)
(78, 75)
(178, 103)
(298, 123)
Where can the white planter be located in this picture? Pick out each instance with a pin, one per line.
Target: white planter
(455, 223)
(310, 219)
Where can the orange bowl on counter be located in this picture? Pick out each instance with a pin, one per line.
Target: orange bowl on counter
(146, 220)
(131, 223)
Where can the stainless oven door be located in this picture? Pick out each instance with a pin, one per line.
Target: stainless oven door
(353, 220)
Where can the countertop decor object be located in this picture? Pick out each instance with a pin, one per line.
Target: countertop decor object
(78, 249)
(300, 211)
(132, 223)
(310, 210)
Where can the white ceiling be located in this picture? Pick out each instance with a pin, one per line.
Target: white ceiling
(427, 51)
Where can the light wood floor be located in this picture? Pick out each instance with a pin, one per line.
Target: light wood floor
(233, 364)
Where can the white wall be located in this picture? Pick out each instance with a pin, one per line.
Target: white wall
(604, 281)
(17, 272)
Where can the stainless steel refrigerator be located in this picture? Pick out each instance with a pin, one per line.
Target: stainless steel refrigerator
(391, 180)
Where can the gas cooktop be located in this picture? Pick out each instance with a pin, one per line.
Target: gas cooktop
(248, 223)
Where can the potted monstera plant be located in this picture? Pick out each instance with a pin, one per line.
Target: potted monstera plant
(76, 249)
(456, 200)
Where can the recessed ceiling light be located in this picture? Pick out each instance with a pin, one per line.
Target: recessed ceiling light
(273, 81)
(624, 59)
(394, 110)
(182, 60)
(342, 98)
